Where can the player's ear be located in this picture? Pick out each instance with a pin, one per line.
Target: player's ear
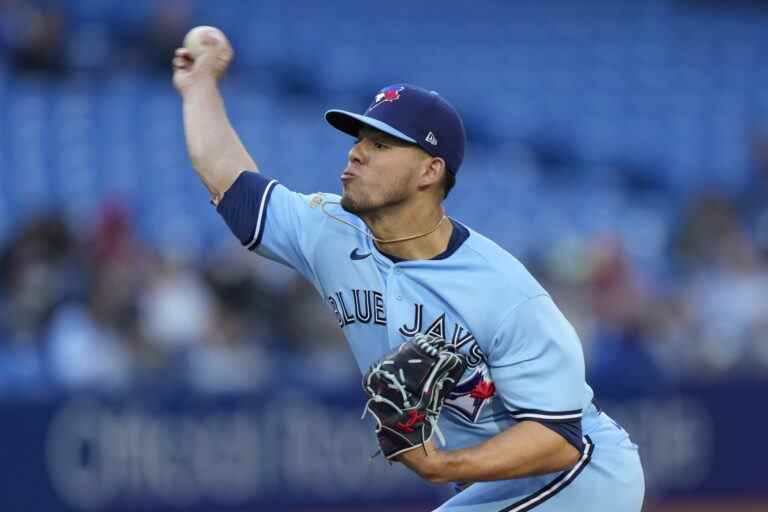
(433, 171)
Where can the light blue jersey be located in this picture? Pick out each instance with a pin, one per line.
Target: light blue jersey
(525, 359)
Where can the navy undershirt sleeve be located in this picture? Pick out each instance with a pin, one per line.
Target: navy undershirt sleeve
(570, 430)
(244, 207)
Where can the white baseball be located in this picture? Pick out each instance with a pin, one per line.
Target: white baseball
(193, 41)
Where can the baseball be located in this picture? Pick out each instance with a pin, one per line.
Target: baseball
(193, 41)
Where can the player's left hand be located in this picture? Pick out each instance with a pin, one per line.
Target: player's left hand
(406, 391)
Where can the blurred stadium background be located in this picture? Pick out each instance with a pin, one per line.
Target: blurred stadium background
(618, 148)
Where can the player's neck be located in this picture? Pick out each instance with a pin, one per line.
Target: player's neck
(437, 233)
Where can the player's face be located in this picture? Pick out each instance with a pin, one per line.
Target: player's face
(381, 172)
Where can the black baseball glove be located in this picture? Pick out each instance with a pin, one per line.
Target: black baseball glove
(406, 390)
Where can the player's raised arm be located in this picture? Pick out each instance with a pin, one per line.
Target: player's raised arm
(214, 147)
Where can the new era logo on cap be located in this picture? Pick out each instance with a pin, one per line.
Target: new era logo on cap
(412, 114)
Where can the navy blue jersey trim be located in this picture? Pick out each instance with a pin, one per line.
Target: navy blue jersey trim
(244, 207)
(570, 431)
(555, 486)
(262, 222)
(553, 416)
(459, 234)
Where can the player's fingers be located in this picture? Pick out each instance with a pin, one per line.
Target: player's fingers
(180, 63)
(183, 53)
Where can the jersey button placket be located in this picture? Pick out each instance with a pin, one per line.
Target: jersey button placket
(398, 273)
(394, 303)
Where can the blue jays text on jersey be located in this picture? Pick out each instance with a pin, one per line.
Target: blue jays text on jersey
(526, 361)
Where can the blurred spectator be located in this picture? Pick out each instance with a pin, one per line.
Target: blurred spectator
(727, 288)
(230, 359)
(706, 232)
(166, 27)
(86, 352)
(309, 324)
(175, 305)
(35, 35)
(93, 342)
(39, 271)
(252, 288)
(609, 307)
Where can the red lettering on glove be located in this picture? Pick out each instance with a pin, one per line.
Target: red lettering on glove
(414, 417)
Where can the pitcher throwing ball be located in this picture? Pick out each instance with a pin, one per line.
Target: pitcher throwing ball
(453, 334)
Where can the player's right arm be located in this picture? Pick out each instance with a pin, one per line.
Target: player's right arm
(215, 149)
(265, 216)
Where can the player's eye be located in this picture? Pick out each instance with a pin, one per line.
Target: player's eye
(376, 144)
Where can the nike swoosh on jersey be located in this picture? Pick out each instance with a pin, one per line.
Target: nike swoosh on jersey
(357, 256)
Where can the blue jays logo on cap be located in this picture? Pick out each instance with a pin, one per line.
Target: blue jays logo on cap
(413, 114)
(388, 94)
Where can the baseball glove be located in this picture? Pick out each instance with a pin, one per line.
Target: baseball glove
(406, 390)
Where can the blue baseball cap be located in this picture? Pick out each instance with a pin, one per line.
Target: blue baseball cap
(414, 115)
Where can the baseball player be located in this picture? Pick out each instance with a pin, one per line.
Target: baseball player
(520, 426)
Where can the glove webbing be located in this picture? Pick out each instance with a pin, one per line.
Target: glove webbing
(445, 359)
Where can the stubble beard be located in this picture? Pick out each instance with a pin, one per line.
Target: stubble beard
(365, 206)
(355, 207)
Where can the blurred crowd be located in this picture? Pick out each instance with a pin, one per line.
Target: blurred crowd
(98, 307)
(704, 318)
(49, 36)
